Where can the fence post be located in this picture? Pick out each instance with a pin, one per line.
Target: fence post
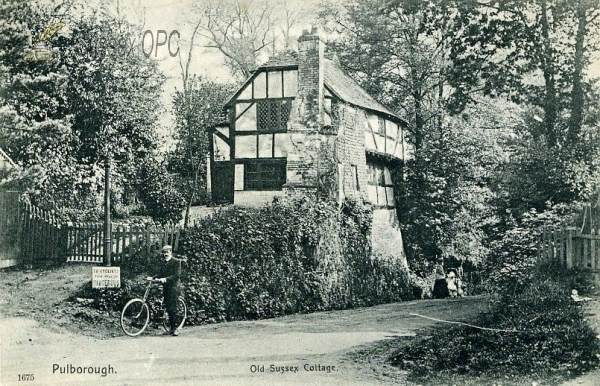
(584, 258)
(561, 245)
(544, 244)
(570, 247)
(593, 251)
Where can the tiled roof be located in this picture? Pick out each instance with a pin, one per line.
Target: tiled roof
(348, 90)
(336, 79)
(284, 59)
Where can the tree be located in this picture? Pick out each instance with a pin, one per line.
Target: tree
(526, 51)
(61, 118)
(158, 192)
(198, 108)
(535, 53)
(245, 30)
(398, 51)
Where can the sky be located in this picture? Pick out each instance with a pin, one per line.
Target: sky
(179, 15)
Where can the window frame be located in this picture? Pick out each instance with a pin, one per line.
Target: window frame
(259, 168)
(378, 170)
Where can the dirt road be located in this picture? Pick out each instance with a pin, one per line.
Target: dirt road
(293, 350)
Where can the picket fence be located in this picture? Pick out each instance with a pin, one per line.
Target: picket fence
(45, 239)
(85, 241)
(571, 247)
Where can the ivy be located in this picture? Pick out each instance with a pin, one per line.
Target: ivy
(285, 258)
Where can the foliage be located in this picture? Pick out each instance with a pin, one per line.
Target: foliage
(60, 119)
(536, 175)
(162, 201)
(399, 51)
(515, 252)
(540, 50)
(444, 202)
(549, 337)
(285, 258)
(451, 68)
(197, 109)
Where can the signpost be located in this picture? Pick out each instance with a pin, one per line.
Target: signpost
(106, 277)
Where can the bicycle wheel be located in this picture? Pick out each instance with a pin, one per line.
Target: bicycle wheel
(181, 313)
(135, 317)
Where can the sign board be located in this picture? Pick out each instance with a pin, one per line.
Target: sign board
(106, 277)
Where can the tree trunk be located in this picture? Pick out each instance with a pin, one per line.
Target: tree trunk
(419, 121)
(547, 64)
(577, 94)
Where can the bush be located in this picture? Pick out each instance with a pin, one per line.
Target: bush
(514, 254)
(162, 201)
(286, 258)
(550, 337)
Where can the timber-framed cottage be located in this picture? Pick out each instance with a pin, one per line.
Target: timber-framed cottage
(300, 122)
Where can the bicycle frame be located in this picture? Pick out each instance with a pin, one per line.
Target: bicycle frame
(151, 283)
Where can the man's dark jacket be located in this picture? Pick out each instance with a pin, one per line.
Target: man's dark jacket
(171, 270)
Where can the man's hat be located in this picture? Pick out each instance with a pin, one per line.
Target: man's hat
(167, 248)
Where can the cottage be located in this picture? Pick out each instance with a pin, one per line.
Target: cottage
(299, 125)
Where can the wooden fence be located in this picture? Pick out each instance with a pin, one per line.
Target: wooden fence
(41, 238)
(572, 247)
(10, 228)
(85, 241)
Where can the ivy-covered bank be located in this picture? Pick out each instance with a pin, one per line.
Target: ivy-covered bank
(286, 258)
(283, 258)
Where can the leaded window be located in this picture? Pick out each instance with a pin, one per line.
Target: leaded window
(380, 187)
(273, 115)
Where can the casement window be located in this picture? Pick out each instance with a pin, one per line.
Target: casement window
(380, 187)
(273, 115)
(264, 175)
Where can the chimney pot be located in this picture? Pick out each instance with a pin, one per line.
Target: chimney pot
(304, 32)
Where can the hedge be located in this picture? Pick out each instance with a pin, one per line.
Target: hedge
(543, 333)
(296, 257)
(283, 258)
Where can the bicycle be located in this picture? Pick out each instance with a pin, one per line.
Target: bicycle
(135, 315)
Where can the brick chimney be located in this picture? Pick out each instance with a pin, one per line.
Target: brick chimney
(310, 76)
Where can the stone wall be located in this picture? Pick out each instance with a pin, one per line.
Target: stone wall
(387, 236)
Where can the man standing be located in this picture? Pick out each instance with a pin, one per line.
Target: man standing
(169, 275)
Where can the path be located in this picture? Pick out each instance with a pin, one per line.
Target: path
(312, 346)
